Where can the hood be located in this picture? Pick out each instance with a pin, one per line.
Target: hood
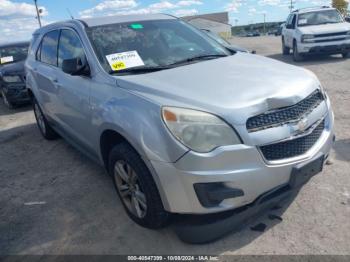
(16, 68)
(325, 29)
(234, 87)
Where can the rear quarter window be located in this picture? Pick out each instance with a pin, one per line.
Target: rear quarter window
(35, 38)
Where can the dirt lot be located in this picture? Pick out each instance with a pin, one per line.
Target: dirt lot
(78, 212)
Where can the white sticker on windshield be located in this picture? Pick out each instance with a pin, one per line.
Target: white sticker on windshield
(6, 59)
(302, 21)
(124, 60)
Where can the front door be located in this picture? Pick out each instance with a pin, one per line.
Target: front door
(46, 73)
(73, 91)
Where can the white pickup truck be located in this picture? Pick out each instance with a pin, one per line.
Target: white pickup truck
(320, 30)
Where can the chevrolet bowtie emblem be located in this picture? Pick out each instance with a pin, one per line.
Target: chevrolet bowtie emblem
(302, 125)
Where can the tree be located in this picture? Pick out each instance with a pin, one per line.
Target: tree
(341, 5)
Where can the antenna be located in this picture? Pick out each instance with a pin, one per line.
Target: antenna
(70, 14)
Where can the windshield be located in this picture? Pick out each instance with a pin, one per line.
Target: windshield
(11, 54)
(150, 44)
(320, 18)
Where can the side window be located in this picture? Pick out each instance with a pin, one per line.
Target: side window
(294, 20)
(48, 53)
(32, 42)
(38, 53)
(69, 46)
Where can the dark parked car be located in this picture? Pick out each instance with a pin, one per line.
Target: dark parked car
(12, 82)
(253, 34)
(347, 19)
(256, 33)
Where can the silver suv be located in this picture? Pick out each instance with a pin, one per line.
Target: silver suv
(182, 124)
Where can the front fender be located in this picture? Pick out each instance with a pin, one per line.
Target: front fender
(31, 83)
(139, 122)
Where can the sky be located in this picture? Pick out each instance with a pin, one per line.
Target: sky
(17, 17)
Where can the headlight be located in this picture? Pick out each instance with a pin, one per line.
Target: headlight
(307, 38)
(202, 132)
(323, 91)
(12, 79)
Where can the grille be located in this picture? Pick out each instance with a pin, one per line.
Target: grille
(285, 115)
(292, 148)
(332, 34)
(330, 40)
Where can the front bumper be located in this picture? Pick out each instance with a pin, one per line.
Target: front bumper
(200, 229)
(333, 47)
(16, 93)
(239, 167)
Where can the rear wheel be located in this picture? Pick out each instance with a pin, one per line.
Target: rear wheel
(7, 103)
(345, 55)
(296, 55)
(44, 127)
(285, 49)
(136, 188)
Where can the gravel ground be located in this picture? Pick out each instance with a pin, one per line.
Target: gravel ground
(56, 201)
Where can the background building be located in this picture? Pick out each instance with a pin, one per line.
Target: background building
(215, 22)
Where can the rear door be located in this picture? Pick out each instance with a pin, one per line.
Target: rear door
(73, 92)
(46, 73)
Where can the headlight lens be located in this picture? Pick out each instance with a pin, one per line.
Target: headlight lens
(323, 91)
(12, 79)
(202, 132)
(308, 38)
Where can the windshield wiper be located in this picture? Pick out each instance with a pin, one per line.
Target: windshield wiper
(198, 58)
(139, 70)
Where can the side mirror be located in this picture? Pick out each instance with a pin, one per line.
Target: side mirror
(254, 52)
(76, 66)
(347, 19)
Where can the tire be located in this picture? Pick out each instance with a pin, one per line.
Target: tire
(296, 55)
(136, 187)
(45, 129)
(345, 55)
(285, 49)
(7, 103)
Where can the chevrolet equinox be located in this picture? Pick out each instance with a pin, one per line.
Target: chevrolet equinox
(182, 124)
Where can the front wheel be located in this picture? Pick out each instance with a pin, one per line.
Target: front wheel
(297, 57)
(43, 125)
(136, 188)
(285, 49)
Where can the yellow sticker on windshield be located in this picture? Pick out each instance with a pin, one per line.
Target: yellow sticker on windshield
(121, 61)
(118, 66)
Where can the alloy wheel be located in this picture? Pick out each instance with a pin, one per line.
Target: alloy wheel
(129, 189)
